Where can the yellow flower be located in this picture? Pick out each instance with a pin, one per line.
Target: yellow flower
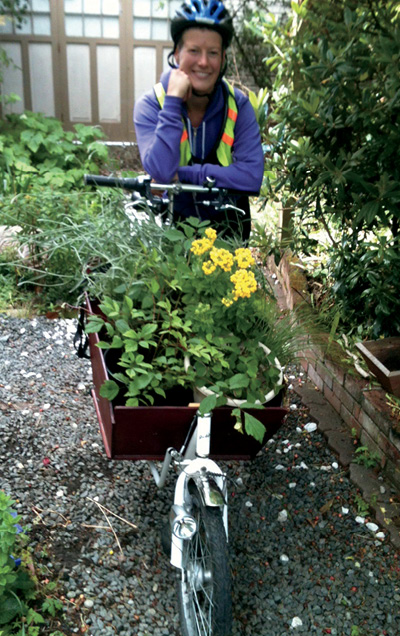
(208, 267)
(201, 246)
(211, 234)
(227, 302)
(244, 282)
(222, 258)
(244, 258)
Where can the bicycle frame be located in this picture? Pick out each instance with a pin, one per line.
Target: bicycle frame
(194, 465)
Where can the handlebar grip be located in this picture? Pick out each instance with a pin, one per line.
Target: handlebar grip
(97, 180)
(131, 183)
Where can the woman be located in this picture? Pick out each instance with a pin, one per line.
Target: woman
(193, 125)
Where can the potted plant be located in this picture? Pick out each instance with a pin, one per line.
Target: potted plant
(195, 313)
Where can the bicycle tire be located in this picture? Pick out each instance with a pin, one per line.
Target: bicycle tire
(204, 586)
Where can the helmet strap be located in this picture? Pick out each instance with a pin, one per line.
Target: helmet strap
(171, 59)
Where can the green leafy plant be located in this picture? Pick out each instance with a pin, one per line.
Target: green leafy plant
(259, 102)
(14, 581)
(367, 458)
(36, 151)
(192, 311)
(58, 236)
(24, 603)
(333, 145)
(393, 403)
(362, 506)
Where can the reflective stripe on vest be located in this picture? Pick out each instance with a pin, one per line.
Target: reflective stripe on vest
(224, 150)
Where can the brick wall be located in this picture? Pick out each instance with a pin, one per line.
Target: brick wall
(359, 402)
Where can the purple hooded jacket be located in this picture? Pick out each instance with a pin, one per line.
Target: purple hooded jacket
(159, 131)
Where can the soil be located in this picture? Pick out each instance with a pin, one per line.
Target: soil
(124, 158)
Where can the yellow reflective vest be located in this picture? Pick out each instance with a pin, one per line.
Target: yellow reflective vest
(224, 150)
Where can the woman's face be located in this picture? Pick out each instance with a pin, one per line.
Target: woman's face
(201, 57)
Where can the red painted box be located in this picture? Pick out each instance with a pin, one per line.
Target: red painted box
(145, 432)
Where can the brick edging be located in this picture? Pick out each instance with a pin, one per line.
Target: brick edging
(361, 407)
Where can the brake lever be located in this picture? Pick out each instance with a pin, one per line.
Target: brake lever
(218, 205)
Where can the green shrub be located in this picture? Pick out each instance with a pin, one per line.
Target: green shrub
(60, 235)
(14, 581)
(334, 143)
(10, 294)
(36, 151)
(23, 602)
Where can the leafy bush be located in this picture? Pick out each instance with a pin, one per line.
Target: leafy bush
(14, 8)
(367, 283)
(61, 235)
(36, 151)
(22, 604)
(249, 49)
(10, 294)
(12, 579)
(334, 143)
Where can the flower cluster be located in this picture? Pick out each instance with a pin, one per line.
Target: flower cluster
(222, 258)
(203, 245)
(244, 258)
(245, 284)
(243, 280)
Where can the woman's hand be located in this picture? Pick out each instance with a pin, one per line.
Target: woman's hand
(179, 84)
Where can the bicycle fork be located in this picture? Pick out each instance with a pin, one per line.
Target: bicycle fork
(199, 471)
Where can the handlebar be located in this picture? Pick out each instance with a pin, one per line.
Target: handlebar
(110, 182)
(144, 186)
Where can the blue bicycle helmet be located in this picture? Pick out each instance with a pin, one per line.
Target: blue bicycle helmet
(209, 13)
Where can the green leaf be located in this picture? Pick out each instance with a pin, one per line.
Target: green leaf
(254, 427)
(122, 325)
(94, 325)
(120, 289)
(128, 302)
(252, 405)
(110, 329)
(34, 617)
(208, 404)
(148, 329)
(103, 345)
(174, 235)
(131, 346)
(239, 381)
(117, 343)
(9, 608)
(109, 390)
(131, 334)
(52, 605)
(295, 7)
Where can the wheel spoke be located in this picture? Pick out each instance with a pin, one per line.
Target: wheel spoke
(205, 585)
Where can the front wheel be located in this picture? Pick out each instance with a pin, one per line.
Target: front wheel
(204, 587)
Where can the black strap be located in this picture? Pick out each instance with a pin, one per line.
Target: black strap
(81, 340)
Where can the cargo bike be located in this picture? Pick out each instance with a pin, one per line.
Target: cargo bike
(180, 437)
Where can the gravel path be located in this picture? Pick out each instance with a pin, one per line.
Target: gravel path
(303, 559)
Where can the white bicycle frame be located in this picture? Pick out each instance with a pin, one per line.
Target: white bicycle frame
(194, 465)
